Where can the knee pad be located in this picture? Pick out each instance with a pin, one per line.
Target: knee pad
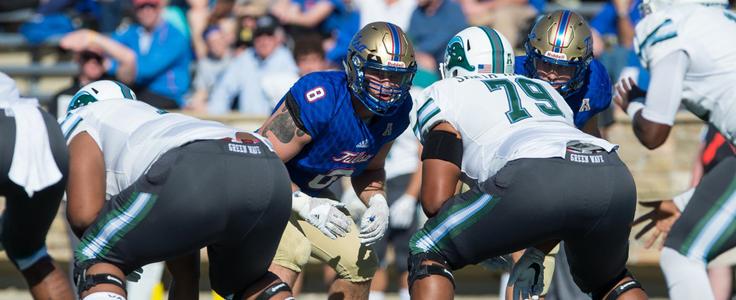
(84, 282)
(270, 291)
(619, 288)
(104, 296)
(418, 271)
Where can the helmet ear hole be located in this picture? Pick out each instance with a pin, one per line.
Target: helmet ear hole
(454, 73)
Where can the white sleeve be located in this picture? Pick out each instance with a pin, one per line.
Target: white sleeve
(657, 36)
(79, 121)
(428, 113)
(665, 88)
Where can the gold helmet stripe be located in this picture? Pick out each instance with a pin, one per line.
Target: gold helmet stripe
(561, 31)
(496, 49)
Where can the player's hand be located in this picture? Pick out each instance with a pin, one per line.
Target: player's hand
(323, 213)
(374, 222)
(403, 211)
(627, 91)
(661, 218)
(527, 275)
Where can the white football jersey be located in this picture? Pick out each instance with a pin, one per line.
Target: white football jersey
(132, 135)
(500, 118)
(708, 36)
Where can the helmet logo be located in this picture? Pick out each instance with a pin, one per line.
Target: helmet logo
(357, 62)
(455, 55)
(396, 63)
(555, 55)
(357, 43)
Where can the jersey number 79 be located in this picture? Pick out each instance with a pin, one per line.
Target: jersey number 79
(545, 103)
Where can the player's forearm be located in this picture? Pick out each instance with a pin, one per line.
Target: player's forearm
(650, 134)
(415, 183)
(369, 183)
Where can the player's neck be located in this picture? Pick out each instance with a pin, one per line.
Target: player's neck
(361, 111)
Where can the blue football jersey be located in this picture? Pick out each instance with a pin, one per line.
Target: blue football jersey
(593, 97)
(342, 144)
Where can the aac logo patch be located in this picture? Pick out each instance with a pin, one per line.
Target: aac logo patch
(585, 106)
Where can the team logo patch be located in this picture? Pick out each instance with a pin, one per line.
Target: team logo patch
(585, 106)
(389, 129)
(555, 55)
(363, 144)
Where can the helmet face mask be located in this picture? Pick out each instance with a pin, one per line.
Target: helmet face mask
(560, 43)
(386, 86)
(477, 50)
(380, 67)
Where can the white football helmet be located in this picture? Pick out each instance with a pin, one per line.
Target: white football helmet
(98, 91)
(477, 50)
(650, 6)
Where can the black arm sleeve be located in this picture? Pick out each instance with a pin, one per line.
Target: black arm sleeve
(443, 145)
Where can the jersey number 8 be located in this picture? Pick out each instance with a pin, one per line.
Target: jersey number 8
(322, 181)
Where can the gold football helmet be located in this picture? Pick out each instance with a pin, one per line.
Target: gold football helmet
(560, 40)
(380, 67)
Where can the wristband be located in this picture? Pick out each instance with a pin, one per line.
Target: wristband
(681, 200)
(633, 108)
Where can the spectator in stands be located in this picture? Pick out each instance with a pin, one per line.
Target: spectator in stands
(120, 60)
(432, 24)
(210, 68)
(91, 64)
(397, 12)
(163, 54)
(309, 57)
(333, 18)
(243, 76)
(617, 19)
(612, 30)
(511, 17)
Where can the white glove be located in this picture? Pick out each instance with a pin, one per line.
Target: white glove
(402, 212)
(527, 275)
(323, 213)
(374, 222)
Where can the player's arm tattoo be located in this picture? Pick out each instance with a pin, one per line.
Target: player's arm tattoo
(283, 127)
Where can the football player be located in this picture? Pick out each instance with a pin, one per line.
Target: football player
(175, 184)
(342, 123)
(686, 46)
(559, 50)
(513, 140)
(33, 173)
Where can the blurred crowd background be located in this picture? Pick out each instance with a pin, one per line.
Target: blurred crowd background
(221, 56)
